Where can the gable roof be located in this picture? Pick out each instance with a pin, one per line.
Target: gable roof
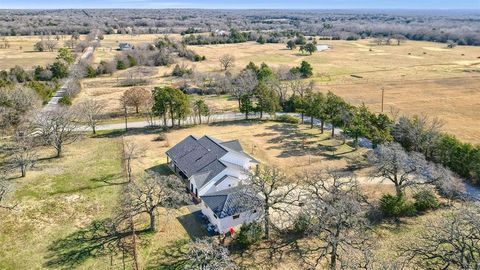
(234, 145)
(193, 155)
(231, 201)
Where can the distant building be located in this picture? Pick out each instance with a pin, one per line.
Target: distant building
(215, 172)
(124, 46)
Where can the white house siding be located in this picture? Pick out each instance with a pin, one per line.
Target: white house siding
(224, 224)
(237, 158)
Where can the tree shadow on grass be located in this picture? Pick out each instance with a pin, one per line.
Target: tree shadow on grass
(131, 131)
(161, 169)
(249, 122)
(193, 223)
(268, 254)
(172, 257)
(96, 240)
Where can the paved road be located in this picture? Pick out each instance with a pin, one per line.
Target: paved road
(471, 191)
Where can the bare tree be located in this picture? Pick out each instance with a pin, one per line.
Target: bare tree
(243, 84)
(275, 190)
(418, 133)
(391, 162)
(57, 128)
(51, 45)
(153, 191)
(89, 113)
(24, 154)
(227, 61)
(204, 254)
(451, 241)
(336, 211)
(131, 151)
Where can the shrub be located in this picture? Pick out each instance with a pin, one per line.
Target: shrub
(90, 72)
(59, 70)
(65, 100)
(396, 206)
(121, 65)
(249, 234)
(301, 223)
(131, 61)
(425, 200)
(285, 118)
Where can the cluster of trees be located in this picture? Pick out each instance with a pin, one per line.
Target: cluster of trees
(440, 26)
(334, 218)
(160, 53)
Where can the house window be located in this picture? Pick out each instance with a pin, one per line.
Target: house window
(236, 216)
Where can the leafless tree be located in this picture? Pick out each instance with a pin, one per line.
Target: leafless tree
(336, 210)
(227, 61)
(391, 162)
(131, 151)
(451, 241)
(51, 45)
(24, 154)
(204, 254)
(18, 105)
(153, 191)
(243, 84)
(418, 133)
(136, 97)
(57, 128)
(89, 113)
(276, 191)
(148, 112)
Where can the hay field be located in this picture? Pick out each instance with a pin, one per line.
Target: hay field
(418, 77)
(21, 53)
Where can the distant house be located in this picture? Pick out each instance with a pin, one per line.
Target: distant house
(215, 172)
(124, 46)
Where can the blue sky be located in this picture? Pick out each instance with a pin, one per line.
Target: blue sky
(243, 4)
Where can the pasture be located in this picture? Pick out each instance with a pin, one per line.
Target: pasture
(21, 52)
(417, 77)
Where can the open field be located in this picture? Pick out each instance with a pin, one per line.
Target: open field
(433, 80)
(418, 77)
(21, 52)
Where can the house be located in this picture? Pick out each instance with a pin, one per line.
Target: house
(215, 172)
(125, 46)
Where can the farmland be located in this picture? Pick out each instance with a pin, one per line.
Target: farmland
(417, 77)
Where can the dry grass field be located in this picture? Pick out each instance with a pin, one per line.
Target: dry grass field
(418, 77)
(21, 52)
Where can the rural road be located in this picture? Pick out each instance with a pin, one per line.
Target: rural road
(470, 191)
(53, 103)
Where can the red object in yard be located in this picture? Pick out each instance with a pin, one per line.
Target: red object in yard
(231, 231)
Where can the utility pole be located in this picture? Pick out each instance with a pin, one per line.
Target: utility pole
(383, 94)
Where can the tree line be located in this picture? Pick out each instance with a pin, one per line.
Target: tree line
(440, 26)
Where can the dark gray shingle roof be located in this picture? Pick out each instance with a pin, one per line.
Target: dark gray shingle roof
(234, 145)
(193, 155)
(231, 201)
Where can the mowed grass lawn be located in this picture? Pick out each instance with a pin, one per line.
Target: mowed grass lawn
(59, 197)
